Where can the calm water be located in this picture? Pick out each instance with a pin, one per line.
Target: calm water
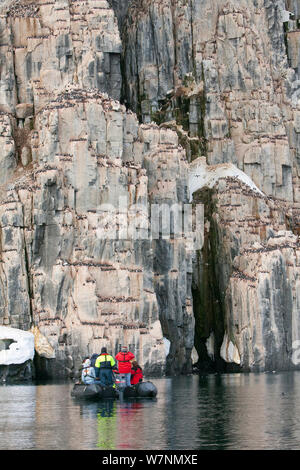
(230, 411)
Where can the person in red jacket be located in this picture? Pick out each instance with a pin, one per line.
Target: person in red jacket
(124, 358)
(136, 373)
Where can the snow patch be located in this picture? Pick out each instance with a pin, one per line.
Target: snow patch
(202, 175)
(20, 349)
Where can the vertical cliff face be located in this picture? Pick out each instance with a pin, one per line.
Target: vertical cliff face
(79, 176)
(84, 280)
(225, 74)
(209, 115)
(219, 69)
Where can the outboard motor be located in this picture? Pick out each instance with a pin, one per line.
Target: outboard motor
(120, 381)
(109, 392)
(124, 390)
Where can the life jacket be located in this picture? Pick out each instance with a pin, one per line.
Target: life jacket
(88, 371)
(136, 376)
(105, 361)
(124, 364)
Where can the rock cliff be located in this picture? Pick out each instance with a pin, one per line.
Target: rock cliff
(111, 110)
(225, 74)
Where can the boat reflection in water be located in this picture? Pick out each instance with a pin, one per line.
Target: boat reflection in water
(118, 421)
(107, 425)
(223, 411)
(115, 423)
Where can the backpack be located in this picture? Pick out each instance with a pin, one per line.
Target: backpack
(93, 359)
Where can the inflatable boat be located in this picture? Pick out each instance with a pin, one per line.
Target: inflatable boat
(93, 391)
(141, 390)
(96, 392)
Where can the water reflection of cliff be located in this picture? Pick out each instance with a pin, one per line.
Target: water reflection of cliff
(229, 411)
(17, 417)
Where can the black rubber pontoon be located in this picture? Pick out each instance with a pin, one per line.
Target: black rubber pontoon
(96, 392)
(141, 390)
(93, 391)
(146, 389)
